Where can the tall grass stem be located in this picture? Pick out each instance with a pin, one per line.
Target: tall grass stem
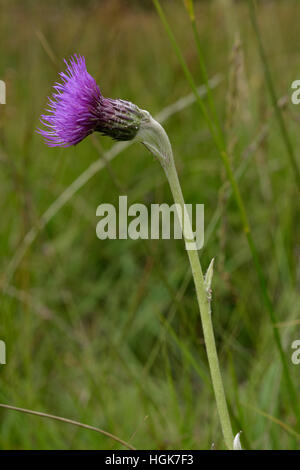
(272, 92)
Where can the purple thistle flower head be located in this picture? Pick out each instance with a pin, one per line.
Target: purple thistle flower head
(77, 108)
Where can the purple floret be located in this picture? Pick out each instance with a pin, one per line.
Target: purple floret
(77, 108)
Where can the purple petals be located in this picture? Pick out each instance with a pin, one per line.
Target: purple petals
(73, 106)
(77, 108)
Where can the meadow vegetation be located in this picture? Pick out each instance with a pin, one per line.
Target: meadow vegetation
(108, 333)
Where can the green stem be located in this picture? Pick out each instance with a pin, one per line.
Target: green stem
(205, 313)
(205, 76)
(187, 72)
(271, 87)
(156, 140)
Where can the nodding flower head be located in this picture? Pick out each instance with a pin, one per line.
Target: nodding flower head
(77, 108)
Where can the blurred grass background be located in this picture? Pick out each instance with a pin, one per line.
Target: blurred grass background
(108, 332)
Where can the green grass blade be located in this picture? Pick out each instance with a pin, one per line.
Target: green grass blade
(271, 88)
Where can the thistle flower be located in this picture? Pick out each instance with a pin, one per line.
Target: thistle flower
(77, 109)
